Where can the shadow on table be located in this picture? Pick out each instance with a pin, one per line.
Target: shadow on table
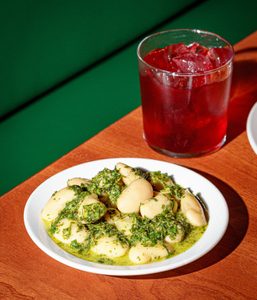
(237, 227)
(243, 92)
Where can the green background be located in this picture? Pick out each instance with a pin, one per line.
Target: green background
(37, 131)
(45, 42)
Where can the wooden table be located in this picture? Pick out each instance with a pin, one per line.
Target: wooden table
(229, 271)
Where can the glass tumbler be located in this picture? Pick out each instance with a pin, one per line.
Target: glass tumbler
(185, 96)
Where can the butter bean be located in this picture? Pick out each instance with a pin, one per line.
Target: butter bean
(80, 234)
(110, 247)
(154, 206)
(78, 181)
(192, 210)
(140, 254)
(56, 203)
(132, 196)
(128, 174)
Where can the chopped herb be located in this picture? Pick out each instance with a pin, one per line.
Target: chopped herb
(54, 193)
(140, 172)
(150, 232)
(107, 183)
(93, 212)
(81, 247)
(101, 229)
(76, 188)
(159, 180)
(70, 211)
(67, 232)
(105, 260)
(174, 190)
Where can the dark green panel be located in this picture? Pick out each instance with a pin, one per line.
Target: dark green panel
(57, 123)
(44, 42)
(233, 19)
(46, 130)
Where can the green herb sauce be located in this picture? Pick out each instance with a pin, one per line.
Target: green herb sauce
(108, 185)
(85, 253)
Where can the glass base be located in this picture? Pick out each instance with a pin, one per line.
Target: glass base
(188, 155)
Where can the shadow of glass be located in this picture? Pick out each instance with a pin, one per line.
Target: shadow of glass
(237, 228)
(243, 92)
(249, 49)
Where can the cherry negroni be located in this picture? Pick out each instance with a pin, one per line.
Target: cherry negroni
(185, 92)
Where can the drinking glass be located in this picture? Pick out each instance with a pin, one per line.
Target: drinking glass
(185, 113)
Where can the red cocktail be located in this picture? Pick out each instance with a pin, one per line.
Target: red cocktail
(185, 78)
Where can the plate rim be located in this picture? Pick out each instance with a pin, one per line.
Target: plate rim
(124, 270)
(249, 127)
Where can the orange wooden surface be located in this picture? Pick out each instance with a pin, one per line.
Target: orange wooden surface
(229, 271)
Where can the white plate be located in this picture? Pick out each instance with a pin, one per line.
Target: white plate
(216, 204)
(251, 127)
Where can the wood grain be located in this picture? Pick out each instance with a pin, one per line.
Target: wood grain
(229, 271)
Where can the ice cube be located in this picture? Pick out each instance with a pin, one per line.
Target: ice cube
(158, 58)
(219, 56)
(176, 49)
(192, 63)
(193, 47)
